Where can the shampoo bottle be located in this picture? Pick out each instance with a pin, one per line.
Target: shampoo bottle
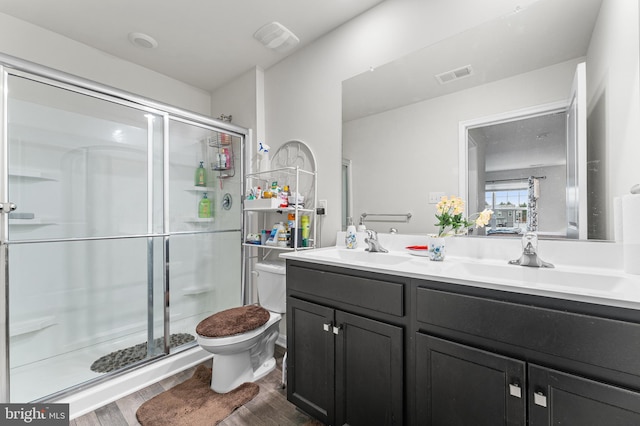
(204, 207)
(304, 220)
(201, 175)
(351, 238)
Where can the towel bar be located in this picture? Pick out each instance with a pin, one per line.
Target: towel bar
(402, 217)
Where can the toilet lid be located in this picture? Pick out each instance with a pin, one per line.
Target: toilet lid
(233, 321)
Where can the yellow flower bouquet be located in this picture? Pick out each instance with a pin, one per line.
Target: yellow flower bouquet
(450, 220)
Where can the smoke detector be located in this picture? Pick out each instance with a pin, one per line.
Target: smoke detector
(456, 74)
(277, 37)
(143, 40)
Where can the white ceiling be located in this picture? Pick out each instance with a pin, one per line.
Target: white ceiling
(204, 43)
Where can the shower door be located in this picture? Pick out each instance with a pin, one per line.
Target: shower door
(85, 243)
(109, 264)
(205, 252)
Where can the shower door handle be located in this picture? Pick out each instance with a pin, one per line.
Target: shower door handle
(7, 207)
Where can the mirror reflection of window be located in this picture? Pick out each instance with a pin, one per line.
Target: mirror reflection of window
(509, 207)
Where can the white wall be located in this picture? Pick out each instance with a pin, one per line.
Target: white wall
(401, 155)
(303, 92)
(26, 41)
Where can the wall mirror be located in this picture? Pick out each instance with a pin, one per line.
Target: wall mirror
(491, 111)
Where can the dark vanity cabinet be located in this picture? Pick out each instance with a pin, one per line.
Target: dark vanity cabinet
(345, 345)
(460, 385)
(487, 357)
(377, 349)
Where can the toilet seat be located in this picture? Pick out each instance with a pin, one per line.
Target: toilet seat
(238, 338)
(234, 321)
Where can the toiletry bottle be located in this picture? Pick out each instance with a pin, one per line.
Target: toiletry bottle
(273, 236)
(284, 197)
(222, 160)
(351, 238)
(304, 224)
(281, 235)
(291, 226)
(361, 225)
(227, 157)
(204, 207)
(201, 175)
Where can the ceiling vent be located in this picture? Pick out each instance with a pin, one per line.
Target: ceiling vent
(458, 73)
(277, 37)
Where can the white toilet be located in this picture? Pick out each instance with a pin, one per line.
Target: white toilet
(242, 340)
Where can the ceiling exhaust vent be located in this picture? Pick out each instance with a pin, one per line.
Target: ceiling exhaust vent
(458, 73)
(277, 37)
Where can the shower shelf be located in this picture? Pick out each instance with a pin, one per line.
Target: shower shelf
(32, 174)
(193, 291)
(200, 189)
(199, 219)
(31, 326)
(31, 222)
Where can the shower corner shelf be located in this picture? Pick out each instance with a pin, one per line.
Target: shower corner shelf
(31, 222)
(32, 174)
(195, 290)
(199, 219)
(200, 189)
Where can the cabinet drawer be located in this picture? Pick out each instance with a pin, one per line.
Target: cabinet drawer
(602, 342)
(369, 293)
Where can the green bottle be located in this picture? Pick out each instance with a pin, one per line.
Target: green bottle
(201, 175)
(204, 207)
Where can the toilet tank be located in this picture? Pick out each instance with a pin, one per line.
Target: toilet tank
(271, 281)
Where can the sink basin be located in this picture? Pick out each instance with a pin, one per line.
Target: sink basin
(360, 256)
(547, 277)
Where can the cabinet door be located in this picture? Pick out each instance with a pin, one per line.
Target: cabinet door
(369, 372)
(310, 355)
(458, 385)
(557, 398)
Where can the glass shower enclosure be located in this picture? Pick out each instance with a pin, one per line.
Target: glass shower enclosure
(111, 256)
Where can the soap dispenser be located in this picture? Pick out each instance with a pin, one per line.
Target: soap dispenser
(201, 175)
(351, 238)
(204, 207)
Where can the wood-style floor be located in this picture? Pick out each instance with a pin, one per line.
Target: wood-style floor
(269, 407)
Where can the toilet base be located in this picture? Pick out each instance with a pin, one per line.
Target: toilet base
(267, 367)
(230, 371)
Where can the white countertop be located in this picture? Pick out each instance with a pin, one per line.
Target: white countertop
(604, 284)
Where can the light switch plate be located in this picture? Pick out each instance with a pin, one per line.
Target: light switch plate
(434, 197)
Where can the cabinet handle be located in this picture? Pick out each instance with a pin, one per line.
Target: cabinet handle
(326, 326)
(515, 390)
(539, 399)
(336, 330)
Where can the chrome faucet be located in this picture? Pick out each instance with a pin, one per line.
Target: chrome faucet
(374, 244)
(529, 253)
